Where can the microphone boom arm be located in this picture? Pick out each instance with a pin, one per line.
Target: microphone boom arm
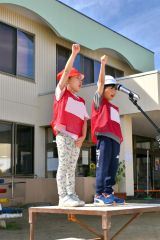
(134, 101)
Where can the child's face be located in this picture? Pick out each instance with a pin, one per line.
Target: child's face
(109, 92)
(75, 83)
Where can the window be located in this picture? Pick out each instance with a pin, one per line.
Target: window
(96, 70)
(25, 53)
(7, 49)
(78, 62)
(86, 65)
(16, 52)
(87, 155)
(24, 136)
(88, 70)
(16, 149)
(5, 148)
(114, 72)
(82, 63)
(62, 57)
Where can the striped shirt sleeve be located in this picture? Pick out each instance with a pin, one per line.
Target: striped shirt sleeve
(97, 100)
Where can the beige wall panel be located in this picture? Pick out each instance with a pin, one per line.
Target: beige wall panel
(146, 86)
(15, 112)
(45, 109)
(126, 154)
(17, 90)
(39, 151)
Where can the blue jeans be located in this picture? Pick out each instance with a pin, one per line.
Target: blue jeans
(107, 159)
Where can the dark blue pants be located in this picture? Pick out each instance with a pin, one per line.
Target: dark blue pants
(107, 159)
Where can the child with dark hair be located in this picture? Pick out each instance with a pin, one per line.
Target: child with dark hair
(106, 133)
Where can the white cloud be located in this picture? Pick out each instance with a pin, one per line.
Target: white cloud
(142, 28)
(96, 9)
(79, 5)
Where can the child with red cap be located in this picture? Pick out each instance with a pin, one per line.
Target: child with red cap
(106, 133)
(69, 124)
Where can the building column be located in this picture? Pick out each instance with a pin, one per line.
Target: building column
(127, 154)
(39, 164)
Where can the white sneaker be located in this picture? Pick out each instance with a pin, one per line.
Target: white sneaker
(67, 201)
(76, 198)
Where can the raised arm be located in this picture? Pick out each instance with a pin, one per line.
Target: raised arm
(100, 89)
(69, 65)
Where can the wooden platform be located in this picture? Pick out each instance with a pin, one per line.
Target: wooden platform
(89, 209)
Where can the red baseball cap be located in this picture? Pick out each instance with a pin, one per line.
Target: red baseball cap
(74, 72)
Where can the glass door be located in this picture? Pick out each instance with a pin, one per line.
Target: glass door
(156, 171)
(16, 149)
(146, 163)
(5, 148)
(143, 172)
(24, 149)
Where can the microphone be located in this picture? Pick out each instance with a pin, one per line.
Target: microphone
(127, 91)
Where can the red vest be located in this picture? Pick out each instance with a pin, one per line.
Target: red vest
(105, 120)
(72, 122)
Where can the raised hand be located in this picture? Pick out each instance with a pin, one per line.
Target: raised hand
(75, 48)
(104, 59)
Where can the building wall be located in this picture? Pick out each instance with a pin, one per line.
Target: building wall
(45, 51)
(29, 102)
(22, 93)
(44, 190)
(126, 154)
(147, 85)
(18, 96)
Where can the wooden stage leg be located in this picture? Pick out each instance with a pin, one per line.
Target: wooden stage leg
(136, 215)
(106, 225)
(32, 224)
(73, 218)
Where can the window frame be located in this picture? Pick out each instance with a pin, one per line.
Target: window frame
(94, 61)
(30, 79)
(83, 64)
(13, 155)
(15, 160)
(114, 71)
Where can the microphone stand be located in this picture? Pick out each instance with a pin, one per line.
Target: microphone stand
(134, 101)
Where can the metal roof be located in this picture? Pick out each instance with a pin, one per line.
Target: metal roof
(71, 25)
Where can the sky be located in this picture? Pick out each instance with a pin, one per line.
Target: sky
(138, 20)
